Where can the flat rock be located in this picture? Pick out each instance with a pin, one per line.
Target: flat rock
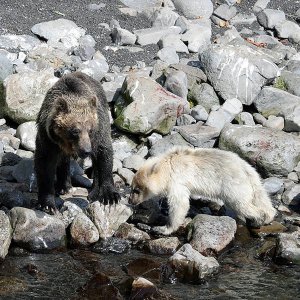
(123, 37)
(273, 152)
(36, 230)
(194, 9)
(13, 42)
(174, 41)
(289, 246)
(211, 233)
(5, 234)
(162, 246)
(168, 55)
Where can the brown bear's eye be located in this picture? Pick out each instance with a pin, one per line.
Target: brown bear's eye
(136, 191)
(73, 133)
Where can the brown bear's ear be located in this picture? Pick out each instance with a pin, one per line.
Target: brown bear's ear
(62, 105)
(93, 101)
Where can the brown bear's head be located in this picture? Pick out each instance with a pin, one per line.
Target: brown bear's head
(74, 123)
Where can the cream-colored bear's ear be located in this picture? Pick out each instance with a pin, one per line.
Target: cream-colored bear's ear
(93, 101)
(62, 105)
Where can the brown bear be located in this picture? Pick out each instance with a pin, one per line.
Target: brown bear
(73, 122)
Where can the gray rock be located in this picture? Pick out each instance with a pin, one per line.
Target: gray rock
(147, 107)
(269, 18)
(69, 211)
(5, 234)
(162, 246)
(293, 66)
(112, 88)
(142, 4)
(260, 119)
(117, 164)
(273, 152)
(130, 232)
(25, 93)
(164, 17)
(154, 34)
(191, 264)
(204, 94)
(273, 101)
(168, 55)
(26, 132)
(225, 12)
(289, 246)
(260, 5)
(211, 233)
(185, 119)
(85, 52)
(93, 6)
(291, 195)
(237, 70)
(194, 9)
(123, 147)
(153, 138)
(8, 140)
(225, 114)
(133, 162)
(24, 173)
(273, 185)
(83, 231)
(6, 67)
(177, 84)
(96, 68)
(245, 118)
(167, 143)
(243, 19)
(108, 218)
(293, 176)
(122, 36)
(57, 29)
(286, 29)
(173, 41)
(292, 82)
(199, 135)
(126, 175)
(36, 230)
(199, 113)
(14, 42)
(275, 122)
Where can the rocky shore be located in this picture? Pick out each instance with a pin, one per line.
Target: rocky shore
(196, 73)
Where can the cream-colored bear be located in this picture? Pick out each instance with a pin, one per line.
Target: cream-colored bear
(211, 173)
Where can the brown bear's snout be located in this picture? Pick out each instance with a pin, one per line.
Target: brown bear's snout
(84, 145)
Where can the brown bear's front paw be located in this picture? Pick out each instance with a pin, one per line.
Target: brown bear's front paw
(105, 195)
(64, 189)
(47, 205)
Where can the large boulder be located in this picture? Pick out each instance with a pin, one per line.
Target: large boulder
(274, 152)
(146, 106)
(25, 93)
(5, 234)
(237, 70)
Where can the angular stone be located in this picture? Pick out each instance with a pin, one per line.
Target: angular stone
(245, 118)
(194, 9)
(286, 29)
(18, 42)
(123, 147)
(275, 122)
(260, 5)
(177, 84)
(291, 195)
(123, 37)
(36, 230)
(164, 17)
(191, 265)
(292, 82)
(6, 67)
(185, 119)
(199, 113)
(289, 246)
(130, 232)
(25, 93)
(5, 234)
(69, 211)
(164, 245)
(147, 107)
(142, 4)
(26, 132)
(174, 41)
(133, 162)
(243, 19)
(273, 152)
(211, 233)
(126, 175)
(269, 18)
(96, 68)
(168, 55)
(225, 12)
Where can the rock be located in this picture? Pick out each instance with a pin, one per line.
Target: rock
(225, 12)
(168, 55)
(85, 52)
(176, 83)
(211, 233)
(133, 162)
(57, 29)
(287, 29)
(272, 151)
(142, 4)
(245, 118)
(289, 246)
(123, 147)
(8, 140)
(260, 119)
(291, 195)
(144, 289)
(111, 245)
(83, 231)
(204, 94)
(225, 114)
(269, 18)
(293, 176)
(154, 34)
(237, 70)
(129, 232)
(199, 135)
(5, 234)
(164, 17)
(190, 265)
(96, 68)
(273, 185)
(108, 219)
(122, 36)
(185, 119)
(291, 82)
(167, 143)
(174, 41)
(260, 5)
(275, 122)
(273, 228)
(273, 101)
(94, 6)
(26, 132)
(162, 246)
(69, 211)
(194, 9)
(112, 89)
(147, 107)
(18, 43)
(24, 173)
(36, 230)
(6, 67)
(25, 93)
(126, 175)
(199, 113)
(243, 19)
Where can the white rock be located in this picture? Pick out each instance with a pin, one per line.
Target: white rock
(194, 9)
(26, 132)
(168, 55)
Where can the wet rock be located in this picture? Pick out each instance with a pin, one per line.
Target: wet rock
(273, 101)
(237, 70)
(274, 227)
(144, 266)
(13, 42)
(126, 175)
(199, 135)
(269, 18)
(147, 107)
(57, 29)
(291, 195)
(108, 218)
(5, 234)
(267, 249)
(144, 289)
(130, 232)
(96, 68)
(225, 12)
(26, 132)
(10, 198)
(289, 246)
(163, 245)
(194, 9)
(122, 37)
(273, 152)
(168, 55)
(211, 233)
(24, 173)
(36, 230)
(190, 265)
(25, 93)
(167, 143)
(133, 162)
(112, 245)
(83, 231)
(164, 17)
(273, 185)
(176, 83)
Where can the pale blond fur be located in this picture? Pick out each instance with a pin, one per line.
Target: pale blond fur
(212, 173)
